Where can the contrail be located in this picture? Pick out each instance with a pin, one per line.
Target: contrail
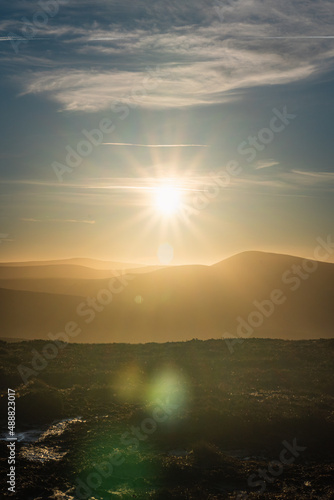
(293, 37)
(22, 38)
(156, 145)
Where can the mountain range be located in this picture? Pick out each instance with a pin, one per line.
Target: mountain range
(253, 293)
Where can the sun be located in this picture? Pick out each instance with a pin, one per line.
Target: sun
(167, 200)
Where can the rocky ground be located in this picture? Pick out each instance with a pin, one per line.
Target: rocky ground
(172, 421)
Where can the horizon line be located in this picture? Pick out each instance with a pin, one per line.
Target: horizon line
(152, 264)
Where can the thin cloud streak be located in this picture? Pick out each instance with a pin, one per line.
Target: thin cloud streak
(59, 220)
(21, 38)
(294, 37)
(155, 145)
(266, 164)
(317, 176)
(179, 184)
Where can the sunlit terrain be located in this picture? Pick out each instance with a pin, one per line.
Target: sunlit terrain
(176, 420)
(166, 250)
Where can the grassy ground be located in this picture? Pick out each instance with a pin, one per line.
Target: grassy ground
(173, 421)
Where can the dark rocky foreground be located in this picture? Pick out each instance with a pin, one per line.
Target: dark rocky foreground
(172, 421)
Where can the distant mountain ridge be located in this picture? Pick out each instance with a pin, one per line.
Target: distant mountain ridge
(65, 271)
(181, 302)
(77, 261)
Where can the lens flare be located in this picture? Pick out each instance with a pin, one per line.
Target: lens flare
(168, 390)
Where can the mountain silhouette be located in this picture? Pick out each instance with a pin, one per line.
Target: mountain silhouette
(294, 298)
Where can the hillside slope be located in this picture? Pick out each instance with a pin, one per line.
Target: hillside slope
(180, 303)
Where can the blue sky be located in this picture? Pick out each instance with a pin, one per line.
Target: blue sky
(201, 74)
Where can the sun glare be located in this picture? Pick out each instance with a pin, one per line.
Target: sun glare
(167, 200)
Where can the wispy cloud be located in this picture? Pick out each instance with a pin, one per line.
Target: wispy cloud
(201, 59)
(156, 145)
(266, 164)
(191, 84)
(308, 179)
(316, 176)
(58, 220)
(297, 37)
(278, 179)
(112, 183)
(4, 237)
